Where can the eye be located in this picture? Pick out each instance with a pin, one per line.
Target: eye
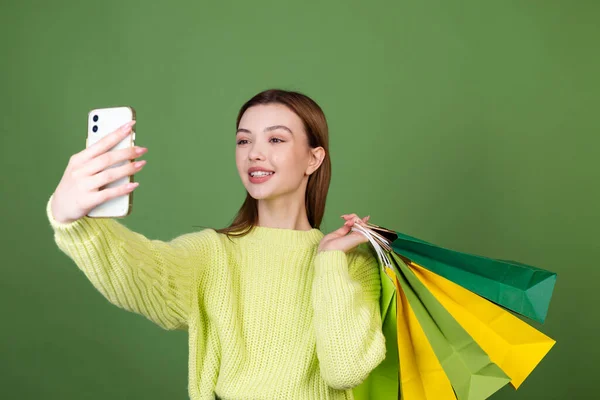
(280, 141)
(241, 141)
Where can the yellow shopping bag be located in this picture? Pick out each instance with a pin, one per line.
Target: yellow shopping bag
(516, 347)
(421, 375)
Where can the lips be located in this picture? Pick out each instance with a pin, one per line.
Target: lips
(260, 179)
(255, 169)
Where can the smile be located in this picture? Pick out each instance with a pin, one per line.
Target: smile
(260, 177)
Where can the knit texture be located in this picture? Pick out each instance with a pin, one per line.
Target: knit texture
(267, 316)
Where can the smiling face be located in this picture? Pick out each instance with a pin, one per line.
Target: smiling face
(271, 138)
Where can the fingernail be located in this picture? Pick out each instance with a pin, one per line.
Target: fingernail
(140, 150)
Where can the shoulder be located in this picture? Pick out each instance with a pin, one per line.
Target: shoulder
(201, 238)
(203, 242)
(219, 244)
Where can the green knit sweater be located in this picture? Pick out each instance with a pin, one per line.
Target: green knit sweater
(267, 316)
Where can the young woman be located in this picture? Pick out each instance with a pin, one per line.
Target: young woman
(274, 308)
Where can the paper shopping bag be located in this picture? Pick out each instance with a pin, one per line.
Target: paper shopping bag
(512, 344)
(421, 375)
(522, 288)
(383, 382)
(471, 372)
(433, 340)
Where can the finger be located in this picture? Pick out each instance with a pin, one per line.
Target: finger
(348, 242)
(112, 174)
(354, 219)
(107, 142)
(346, 216)
(104, 195)
(343, 231)
(109, 159)
(349, 217)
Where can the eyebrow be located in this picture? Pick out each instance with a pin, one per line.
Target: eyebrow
(270, 128)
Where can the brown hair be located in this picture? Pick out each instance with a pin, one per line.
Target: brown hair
(315, 126)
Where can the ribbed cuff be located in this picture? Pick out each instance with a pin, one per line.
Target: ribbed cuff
(81, 229)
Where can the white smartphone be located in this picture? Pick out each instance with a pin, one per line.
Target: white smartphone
(101, 122)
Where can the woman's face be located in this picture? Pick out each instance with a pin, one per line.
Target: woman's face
(271, 138)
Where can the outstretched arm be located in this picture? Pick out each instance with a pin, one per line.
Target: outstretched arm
(149, 277)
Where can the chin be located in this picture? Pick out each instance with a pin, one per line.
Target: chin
(265, 191)
(260, 194)
(262, 191)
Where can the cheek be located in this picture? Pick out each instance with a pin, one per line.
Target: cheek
(289, 162)
(239, 162)
(283, 161)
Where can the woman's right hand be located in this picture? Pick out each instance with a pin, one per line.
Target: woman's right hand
(78, 191)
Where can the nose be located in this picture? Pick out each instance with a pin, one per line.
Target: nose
(256, 152)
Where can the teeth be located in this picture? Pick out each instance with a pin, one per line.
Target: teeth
(260, 173)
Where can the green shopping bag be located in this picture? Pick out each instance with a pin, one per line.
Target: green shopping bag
(522, 288)
(384, 381)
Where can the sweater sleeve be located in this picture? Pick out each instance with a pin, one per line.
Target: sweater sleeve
(148, 277)
(347, 316)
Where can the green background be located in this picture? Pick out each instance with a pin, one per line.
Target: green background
(469, 124)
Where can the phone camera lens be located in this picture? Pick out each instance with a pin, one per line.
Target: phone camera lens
(95, 128)
(95, 118)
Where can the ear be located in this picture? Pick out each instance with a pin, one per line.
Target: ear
(316, 159)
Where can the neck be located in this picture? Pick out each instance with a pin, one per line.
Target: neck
(283, 212)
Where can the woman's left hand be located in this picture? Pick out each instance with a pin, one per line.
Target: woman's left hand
(343, 239)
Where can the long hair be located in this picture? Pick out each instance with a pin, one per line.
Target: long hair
(315, 126)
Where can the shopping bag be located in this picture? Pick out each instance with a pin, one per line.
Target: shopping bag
(428, 323)
(471, 372)
(512, 344)
(383, 383)
(522, 288)
(421, 374)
